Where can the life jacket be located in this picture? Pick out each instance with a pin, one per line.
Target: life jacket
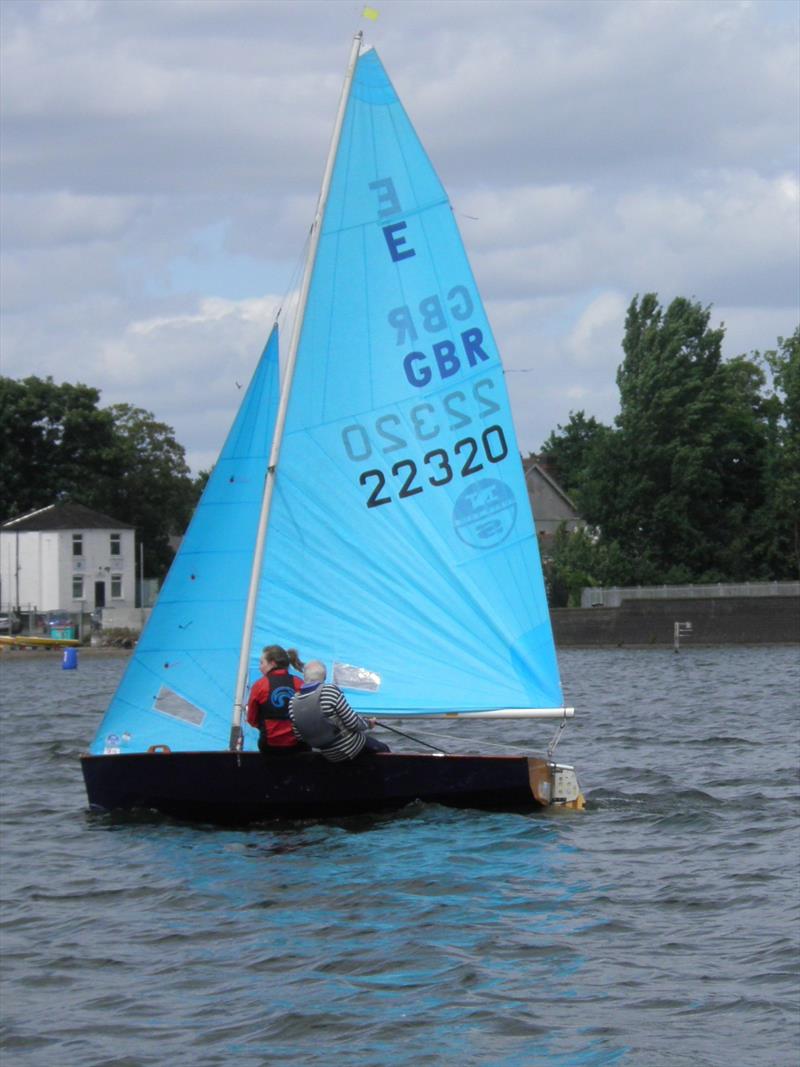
(316, 728)
(272, 713)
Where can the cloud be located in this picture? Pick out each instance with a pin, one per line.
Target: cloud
(161, 161)
(729, 236)
(182, 367)
(59, 218)
(598, 330)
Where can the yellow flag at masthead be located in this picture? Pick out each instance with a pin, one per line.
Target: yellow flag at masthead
(369, 13)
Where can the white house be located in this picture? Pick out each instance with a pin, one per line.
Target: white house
(67, 557)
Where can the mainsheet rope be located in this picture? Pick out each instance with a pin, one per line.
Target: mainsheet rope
(492, 744)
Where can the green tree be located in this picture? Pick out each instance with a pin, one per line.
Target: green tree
(156, 493)
(570, 562)
(58, 444)
(200, 483)
(568, 448)
(777, 524)
(579, 559)
(675, 484)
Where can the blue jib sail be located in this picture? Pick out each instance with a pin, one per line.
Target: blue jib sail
(178, 688)
(401, 549)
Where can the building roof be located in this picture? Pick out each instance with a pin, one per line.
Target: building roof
(64, 516)
(532, 466)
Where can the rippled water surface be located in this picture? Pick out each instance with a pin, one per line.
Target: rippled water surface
(659, 927)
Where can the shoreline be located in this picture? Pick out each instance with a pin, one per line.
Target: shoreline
(687, 645)
(718, 622)
(31, 652)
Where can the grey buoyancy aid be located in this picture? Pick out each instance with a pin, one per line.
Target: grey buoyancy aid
(312, 723)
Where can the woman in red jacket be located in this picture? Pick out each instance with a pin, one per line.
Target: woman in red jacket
(268, 706)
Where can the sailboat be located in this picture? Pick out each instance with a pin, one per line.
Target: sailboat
(370, 510)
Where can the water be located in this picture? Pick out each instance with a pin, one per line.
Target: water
(659, 927)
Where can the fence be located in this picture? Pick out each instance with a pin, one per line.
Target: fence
(613, 597)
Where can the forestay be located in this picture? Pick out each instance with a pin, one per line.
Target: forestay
(401, 547)
(179, 684)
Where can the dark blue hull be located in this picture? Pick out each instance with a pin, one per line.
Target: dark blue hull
(229, 787)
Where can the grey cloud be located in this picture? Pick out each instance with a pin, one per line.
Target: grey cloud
(601, 149)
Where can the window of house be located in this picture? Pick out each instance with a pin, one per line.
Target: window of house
(77, 587)
(116, 544)
(116, 586)
(77, 544)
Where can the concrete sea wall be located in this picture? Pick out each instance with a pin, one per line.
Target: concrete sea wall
(715, 621)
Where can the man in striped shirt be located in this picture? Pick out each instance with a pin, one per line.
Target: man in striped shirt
(322, 717)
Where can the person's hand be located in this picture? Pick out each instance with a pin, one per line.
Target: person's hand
(372, 723)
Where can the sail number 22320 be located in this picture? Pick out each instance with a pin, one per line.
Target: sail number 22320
(467, 459)
(468, 455)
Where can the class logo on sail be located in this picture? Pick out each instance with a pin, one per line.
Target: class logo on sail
(485, 513)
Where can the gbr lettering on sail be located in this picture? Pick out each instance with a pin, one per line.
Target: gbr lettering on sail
(445, 358)
(450, 432)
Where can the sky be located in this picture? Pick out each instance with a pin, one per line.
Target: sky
(161, 161)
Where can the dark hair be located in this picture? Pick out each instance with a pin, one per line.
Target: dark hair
(283, 657)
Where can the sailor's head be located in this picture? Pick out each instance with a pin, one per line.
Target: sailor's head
(314, 671)
(274, 655)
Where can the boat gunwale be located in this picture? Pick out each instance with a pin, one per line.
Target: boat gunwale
(305, 756)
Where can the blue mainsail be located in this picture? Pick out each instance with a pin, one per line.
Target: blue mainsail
(179, 685)
(401, 549)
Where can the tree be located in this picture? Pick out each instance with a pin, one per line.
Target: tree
(156, 493)
(778, 522)
(200, 483)
(699, 479)
(58, 444)
(575, 560)
(569, 562)
(569, 447)
(674, 485)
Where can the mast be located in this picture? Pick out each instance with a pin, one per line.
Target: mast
(236, 737)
